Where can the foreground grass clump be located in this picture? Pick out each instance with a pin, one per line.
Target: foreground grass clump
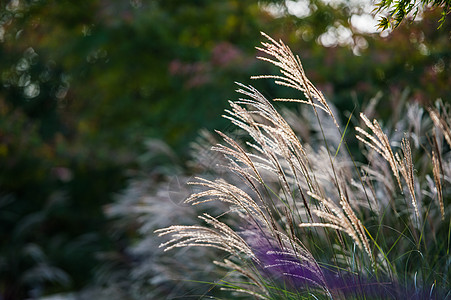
(307, 221)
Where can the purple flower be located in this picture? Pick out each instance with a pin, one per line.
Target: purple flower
(293, 268)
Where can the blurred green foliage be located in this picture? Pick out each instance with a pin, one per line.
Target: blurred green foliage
(84, 83)
(400, 10)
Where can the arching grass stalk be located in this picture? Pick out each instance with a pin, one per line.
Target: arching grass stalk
(353, 249)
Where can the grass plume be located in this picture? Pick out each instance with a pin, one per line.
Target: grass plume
(302, 225)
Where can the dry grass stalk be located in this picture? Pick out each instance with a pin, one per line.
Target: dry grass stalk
(441, 123)
(264, 108)
(356, 224)
(228, 264)
(222, 237)
(405, 166)
(343, 219)
(293, 75)
(223, 191)
(380, 144)
(277, 158)
(438, 183)
(274, 138)
(293, 253)
(291, 263)
(236, 151)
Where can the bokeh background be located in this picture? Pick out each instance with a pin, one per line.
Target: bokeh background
(92, 92)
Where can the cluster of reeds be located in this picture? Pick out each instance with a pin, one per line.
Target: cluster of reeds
(307, 221)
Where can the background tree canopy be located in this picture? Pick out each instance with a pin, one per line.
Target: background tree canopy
(84, 84)
(400, 10)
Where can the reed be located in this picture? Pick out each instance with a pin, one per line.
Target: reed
(306, 221)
